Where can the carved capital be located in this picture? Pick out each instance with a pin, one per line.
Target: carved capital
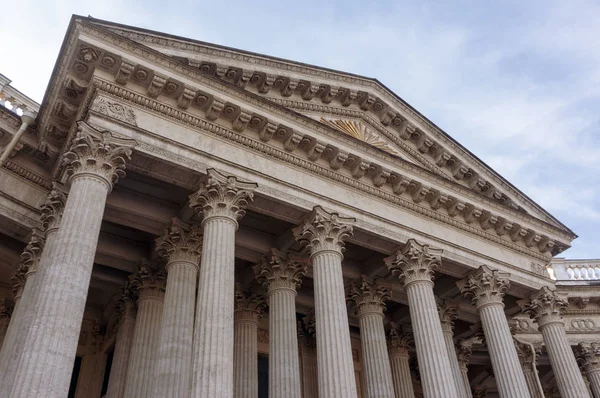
(53, 207)
(180, 242)
(369, 296)
(448, 312)
(588, 356)
(126, 304)
(98, 153)
(307, 330)
(527, 355)
(279, 270)
(324, 231)
(463, 354)
(248, 304)
(222, 196)
(149, 281)
(485, 286)
(414, 263)
(32, 253)
(399, 340)
(544, 306)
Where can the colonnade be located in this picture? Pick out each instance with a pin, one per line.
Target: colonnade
(177, 338)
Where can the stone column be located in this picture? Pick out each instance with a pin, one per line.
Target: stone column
(448, 313)
(149, 285)
(544, 307)
(281, 275)
(527, 357)
(463, 355)
(248, 307)
(369, 298)
(399, 346)
(5, 311)
(415, 265)
(94, 161)
(221, 200)
(125, 330)
(181, 247)
(324, 234)
(588, 356)
(308, 356)
(486, 288)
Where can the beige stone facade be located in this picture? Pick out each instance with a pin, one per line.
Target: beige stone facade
(188, 220)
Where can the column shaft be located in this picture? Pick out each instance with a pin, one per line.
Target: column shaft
(46, 362)
(334, 352)
(174, 365)
(378, 373)
(310, 386)
(503, 355)
(118, 370)
(245, 359)
(284, 366)
(434, 364)
(141, 369)
(213, 336)
(458, 378)
(594, 379)
(401, 376)
(532, 384)
(465, 379)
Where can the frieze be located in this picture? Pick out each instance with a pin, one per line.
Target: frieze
(114, 110)
(586, 325)
(28, 175)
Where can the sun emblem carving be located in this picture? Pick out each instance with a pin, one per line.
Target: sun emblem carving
(361, 132)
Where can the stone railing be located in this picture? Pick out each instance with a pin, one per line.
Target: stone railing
(576, 271)
(14, 100)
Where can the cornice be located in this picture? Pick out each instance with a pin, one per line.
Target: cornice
(27, 175)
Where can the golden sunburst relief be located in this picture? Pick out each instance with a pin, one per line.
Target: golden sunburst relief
(360, 131)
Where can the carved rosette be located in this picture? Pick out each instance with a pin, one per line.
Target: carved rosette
(248, 304)
(485, 286)
(222, 196)
(280, 270)
(149, 281)
(414, 263)
(98, 153)
(399, 341)
(588, 356)
(368, 296)
(448, 312)
(181, 242)
(324, 231)
(464, 351)
(53, 208)
(544, 306)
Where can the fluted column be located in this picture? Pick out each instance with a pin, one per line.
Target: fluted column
(324, 234)
(181, 246)
(544, 307)
(463, 356)
(222, 201)
(5, 311)
(248, 307)
(448, 313)
(399, 345)
(527, 357)
(588, 356)
(123, 342)
(308, 356)
(415, 265)
(149, 285)
(94, 161)
(369, 298)
(281, 275)
(486, 288)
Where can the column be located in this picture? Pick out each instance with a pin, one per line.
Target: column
(125, 329)
(248, 307)
(148, 284)
(544, 307)
(181, 247)
(324, 233)
(414, 265)
(95, 161)
(399, 346)
(369, 298)
(463, 355)
(588, 356)
(5, 311)
(222, 201)
(448, 313)
(308, 356)
(281, 275)
(486, 288)
(527, 357)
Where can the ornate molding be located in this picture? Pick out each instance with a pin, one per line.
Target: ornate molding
(545, 306)
(180, 242)
(323, 231)
(414, 263)
(360, 131)
(369, 296)
(28, 175)
(279, 270)
(114, 110)
(485, 286)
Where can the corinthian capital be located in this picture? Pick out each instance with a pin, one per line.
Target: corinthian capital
(98, 153)
(369, 296)
(448, 312)
(399, 340)
(126, 304)
(222, 196)
(29, 261)
(485, 286)
(464, 351)
(527, 354)
(248, 304)
(544, 306)
(53, 207)
(279, 270)
(180, 242)
(323, 231)
(149, 281)
(588, 356)
(414, 262)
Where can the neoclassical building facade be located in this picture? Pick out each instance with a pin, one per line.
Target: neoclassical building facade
(181, 219)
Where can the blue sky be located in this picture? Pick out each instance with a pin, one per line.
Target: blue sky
(517, 83)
